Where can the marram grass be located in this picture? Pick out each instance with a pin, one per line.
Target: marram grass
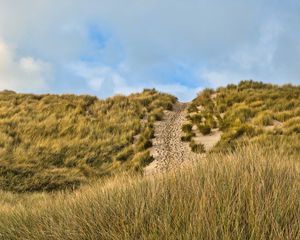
(55, 142)
(252, 193)
(248, 111)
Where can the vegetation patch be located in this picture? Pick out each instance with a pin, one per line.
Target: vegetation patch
(197, 147)
(246, 111)
(252, 193)
(204, 129)
(187, 128)
(56, 142)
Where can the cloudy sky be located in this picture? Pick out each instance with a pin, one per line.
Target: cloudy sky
(105, 47)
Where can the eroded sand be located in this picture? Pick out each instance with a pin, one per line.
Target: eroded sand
(168, 150)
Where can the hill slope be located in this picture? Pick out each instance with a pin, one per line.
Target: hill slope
(249, 192)
(51, 142)
(248, 112)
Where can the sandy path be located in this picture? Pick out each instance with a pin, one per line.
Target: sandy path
(168, 150)
(210, 140)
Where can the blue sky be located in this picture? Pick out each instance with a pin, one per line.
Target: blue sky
(110, 47)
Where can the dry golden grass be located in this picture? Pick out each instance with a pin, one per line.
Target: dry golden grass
(249, 111)
(252, 193)
(52, 142)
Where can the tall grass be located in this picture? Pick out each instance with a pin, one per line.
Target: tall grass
(247, 111)
(52, 142)
(252, 193)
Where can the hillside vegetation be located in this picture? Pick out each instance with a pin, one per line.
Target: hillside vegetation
(246, 187)
(52, 142)
(248, 112)
(253, 193)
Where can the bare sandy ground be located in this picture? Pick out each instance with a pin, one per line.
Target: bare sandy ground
(275, 124)
(209, 141)
(168, 150)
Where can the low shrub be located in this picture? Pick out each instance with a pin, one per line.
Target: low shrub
(142, 159)
(188, 137)
(297, 112)
(204, 129)
(187, 128)
(211, 122)
(149, 132)
(263, 118)
(221, 108)
(125, 154)
(196, 118)
(197, 147)
(156, 115)
(241, 112)
(257, 104)
(292, 126)
(237, 132)
(192, 108)
(143, 144)
(283, 116)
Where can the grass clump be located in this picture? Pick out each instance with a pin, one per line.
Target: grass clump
(263, 119)
(283, 116)
(143, 143)
(204, 129)
(196, 118)
(125, 154)
(156, 115)
(292, 126)
(188, 137)
(187, 128)
(197, 147)
(142, 159)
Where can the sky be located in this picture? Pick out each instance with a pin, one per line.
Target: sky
(107, 47)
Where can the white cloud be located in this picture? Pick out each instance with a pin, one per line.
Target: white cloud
(103, 79)
(95, 83)
(30, 65)
(220, 78)
(185, 93)
(230, 40)
(98, 78)
(259, 53)
(24, 74)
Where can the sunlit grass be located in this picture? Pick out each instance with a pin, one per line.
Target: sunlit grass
(52, 142)
(250, 194)
(248, 111)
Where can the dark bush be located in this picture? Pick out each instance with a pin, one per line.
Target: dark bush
(197, 148)
(156, 115)
(125, 154)
(196, 118)
(192, 108)
(142, 159)
(188, 137)
(143, 144)
(187, 128)
(204, 129)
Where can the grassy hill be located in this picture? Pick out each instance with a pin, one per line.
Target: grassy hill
(247, 187)
(51, 142)
(248, 112)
